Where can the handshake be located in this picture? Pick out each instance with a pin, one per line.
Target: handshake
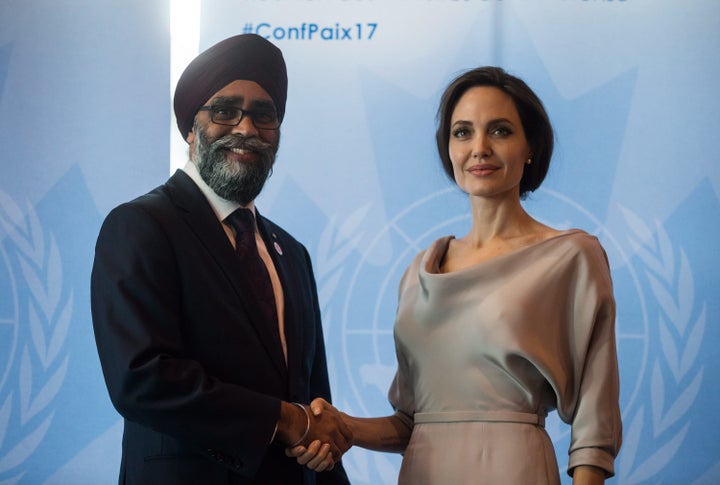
(325, 433)
(318, 435)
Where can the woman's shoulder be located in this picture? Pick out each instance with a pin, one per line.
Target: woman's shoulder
(586, 251)
(580, 239)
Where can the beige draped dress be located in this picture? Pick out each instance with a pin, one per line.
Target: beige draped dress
(486, 352)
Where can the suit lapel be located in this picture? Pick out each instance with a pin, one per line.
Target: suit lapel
(199, 216)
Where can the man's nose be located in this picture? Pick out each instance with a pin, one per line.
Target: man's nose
(246, 126)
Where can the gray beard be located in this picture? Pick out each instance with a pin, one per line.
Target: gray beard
(238, 182)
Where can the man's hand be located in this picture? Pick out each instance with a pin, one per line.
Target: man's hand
(326, 427)
(316, 456)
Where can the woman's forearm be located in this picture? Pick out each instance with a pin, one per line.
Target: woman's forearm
(588, 475)
(388, 433)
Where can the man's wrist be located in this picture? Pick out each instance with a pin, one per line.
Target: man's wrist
(307, 427)
(292, 424)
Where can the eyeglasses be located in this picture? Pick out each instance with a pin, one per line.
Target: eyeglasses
(232, 116)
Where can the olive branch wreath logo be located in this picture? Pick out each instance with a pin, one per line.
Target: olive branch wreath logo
(42, 364)
(681, 325)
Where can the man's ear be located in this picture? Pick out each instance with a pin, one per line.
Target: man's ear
(191, 142)
(191, 138)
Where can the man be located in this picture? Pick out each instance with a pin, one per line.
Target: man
(208, 373)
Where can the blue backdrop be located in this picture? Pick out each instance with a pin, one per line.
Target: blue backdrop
(85, 123)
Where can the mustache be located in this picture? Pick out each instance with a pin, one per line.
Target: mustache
(242, 142)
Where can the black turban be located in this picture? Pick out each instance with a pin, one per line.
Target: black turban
(246, 57)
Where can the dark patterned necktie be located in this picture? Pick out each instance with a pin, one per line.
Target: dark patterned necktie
(243, 221)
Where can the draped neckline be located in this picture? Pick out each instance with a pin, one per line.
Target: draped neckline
(436, 253)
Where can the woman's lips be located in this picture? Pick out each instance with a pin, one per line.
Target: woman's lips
(483, 169)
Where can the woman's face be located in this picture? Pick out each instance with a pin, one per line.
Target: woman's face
(487, 146)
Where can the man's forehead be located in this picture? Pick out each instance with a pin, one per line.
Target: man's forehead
(240, 101)
(241, 92)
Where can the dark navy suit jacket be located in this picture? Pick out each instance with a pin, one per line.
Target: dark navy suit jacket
(189, 363)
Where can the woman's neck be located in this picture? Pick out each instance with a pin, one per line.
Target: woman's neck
(499, 220)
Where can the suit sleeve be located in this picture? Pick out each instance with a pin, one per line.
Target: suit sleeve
(151, 376)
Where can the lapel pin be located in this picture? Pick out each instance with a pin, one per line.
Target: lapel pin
(277, 247)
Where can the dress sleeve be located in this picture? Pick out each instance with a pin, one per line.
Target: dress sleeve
(401, 394)
(596, 422)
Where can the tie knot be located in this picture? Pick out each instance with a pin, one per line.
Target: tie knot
(242, 220)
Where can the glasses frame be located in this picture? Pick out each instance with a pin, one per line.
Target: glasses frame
(243, 112)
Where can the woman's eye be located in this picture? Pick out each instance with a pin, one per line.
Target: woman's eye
(501, 131)
(459, 132)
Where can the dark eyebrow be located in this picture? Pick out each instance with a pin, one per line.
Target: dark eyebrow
(492, 122)
(265, 105)
(237, 101)
(227, 101)
(500, 120)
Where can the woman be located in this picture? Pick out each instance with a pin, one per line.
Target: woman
(499, 327)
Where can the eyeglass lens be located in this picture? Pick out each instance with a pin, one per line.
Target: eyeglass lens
(230, 115)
